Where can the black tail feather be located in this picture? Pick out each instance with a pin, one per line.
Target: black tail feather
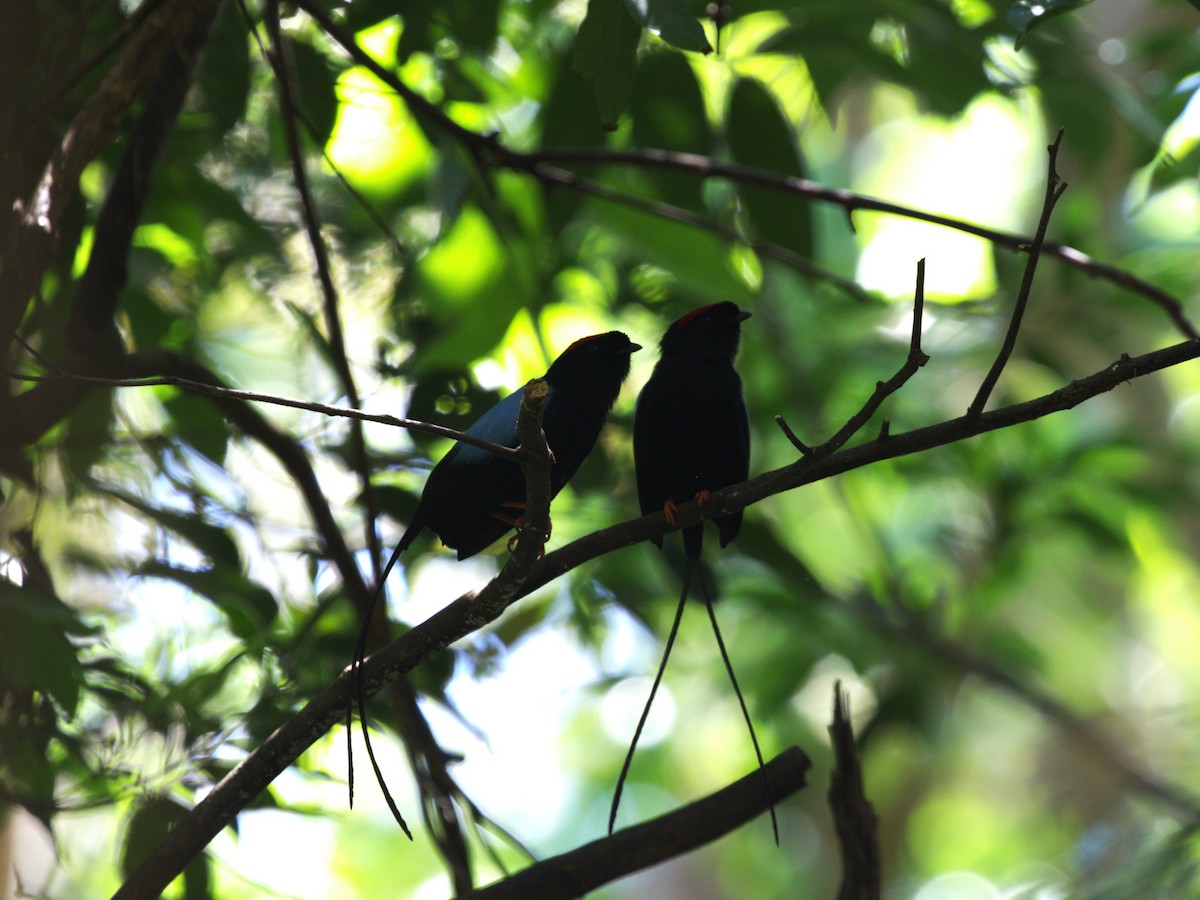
(712, 617)
(356, 688)
(662, 667)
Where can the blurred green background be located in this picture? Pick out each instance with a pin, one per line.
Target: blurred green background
(1015, 616)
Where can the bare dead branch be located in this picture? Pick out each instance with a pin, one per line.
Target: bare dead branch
(853, 815)
(883, 389)
(1054, 189)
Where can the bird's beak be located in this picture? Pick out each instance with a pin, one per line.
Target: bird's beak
(743, 316)
(632, 348)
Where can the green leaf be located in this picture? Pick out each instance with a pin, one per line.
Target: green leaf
(222, 77)
(668, 114)
(760, 137)
(198, 422)
(671, 21)
(606, 55)
(88, 431)
(211, 540)
(147, 827)
(315, 95)
(697, 258)
(36, 654)
(1026, 15)
(248, 606)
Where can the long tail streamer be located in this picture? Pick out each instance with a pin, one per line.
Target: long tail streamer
(692, 566)
(357, 695)
(662, 667)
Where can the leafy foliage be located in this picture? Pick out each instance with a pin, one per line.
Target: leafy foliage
(1014, 616)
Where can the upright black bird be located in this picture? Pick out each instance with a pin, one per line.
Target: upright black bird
(472, 497)
(690, 433)
(691, 436)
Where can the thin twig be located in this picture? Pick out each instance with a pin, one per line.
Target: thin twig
(883, 389)
(1054, 189)
(426, 756)
(222, 392)
(804, 449)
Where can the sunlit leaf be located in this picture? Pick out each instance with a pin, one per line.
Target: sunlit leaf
(1026, 15)
(671, 21)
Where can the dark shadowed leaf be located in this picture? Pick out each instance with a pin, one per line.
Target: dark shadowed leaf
(36, 654)
(759, 137)
(606, 55)
(668, 114)
(147, 827)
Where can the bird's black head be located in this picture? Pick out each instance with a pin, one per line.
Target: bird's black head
(708, 332)
(595, 366)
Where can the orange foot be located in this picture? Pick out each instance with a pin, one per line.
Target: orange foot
(669, 511)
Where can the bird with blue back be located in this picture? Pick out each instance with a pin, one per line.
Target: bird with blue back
(473, 496)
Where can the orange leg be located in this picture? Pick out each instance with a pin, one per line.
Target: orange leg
(669, 511)
(518, 522)
(670, 506)
(514, 521)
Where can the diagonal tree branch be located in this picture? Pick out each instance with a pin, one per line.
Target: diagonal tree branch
(629, 850)
(900, 622)
(93, 343)
(477, 608)
(31, 238)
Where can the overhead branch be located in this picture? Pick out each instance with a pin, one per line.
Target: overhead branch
(488, 148)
